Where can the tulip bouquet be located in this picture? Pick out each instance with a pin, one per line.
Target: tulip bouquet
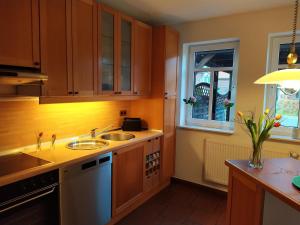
(259, 132)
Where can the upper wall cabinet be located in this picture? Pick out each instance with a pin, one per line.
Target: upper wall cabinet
(19, 39)
(69, 46)
(107, 46)
(142, 59)
(115, 52)
(125, 54)
(54, 47)
(83, 47)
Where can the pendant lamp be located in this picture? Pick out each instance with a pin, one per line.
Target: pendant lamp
(287, 79)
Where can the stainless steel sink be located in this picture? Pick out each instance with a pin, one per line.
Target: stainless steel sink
(86, 144)
(117, 136)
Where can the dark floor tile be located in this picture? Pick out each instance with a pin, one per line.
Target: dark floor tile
(180, 204)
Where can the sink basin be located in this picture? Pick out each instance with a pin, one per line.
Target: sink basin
(86, 145)
(117, 136)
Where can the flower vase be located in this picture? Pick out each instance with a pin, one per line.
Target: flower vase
(255, 158)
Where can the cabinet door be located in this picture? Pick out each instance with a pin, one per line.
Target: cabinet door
(54, 47)
(245, 201)
(128, 166)
(168, 150)
(125, 47)
(171, 42)
(19, 39)
(168, 157)
(142, 58)
(84, 46)
(107, 37)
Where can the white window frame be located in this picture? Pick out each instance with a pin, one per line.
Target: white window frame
(189, 65)
(270, 90)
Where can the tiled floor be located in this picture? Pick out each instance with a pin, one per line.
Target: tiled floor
(181, 204)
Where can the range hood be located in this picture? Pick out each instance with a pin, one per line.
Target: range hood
(21, 77)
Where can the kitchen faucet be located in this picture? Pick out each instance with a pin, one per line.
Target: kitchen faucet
(105, 129)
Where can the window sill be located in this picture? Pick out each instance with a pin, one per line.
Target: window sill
(283, 139)
(213, 130)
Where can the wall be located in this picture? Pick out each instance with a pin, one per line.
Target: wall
(252, 29)
(20, 121)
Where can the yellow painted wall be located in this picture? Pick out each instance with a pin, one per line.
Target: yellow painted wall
(252, 29)
(20, 121)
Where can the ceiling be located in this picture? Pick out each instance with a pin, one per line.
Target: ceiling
(179, 11)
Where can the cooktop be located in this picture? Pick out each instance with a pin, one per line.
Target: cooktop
(17, 162)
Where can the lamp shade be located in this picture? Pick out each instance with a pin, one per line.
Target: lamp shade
(288, 78)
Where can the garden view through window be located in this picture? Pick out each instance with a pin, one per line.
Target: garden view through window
(212, 77)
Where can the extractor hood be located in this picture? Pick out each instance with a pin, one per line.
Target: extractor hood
(19, 77)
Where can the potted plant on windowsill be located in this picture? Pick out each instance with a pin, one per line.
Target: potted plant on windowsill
(259, 132)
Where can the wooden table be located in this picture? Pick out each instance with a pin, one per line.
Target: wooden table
(247, 188)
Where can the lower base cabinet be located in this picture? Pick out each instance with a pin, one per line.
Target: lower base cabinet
(127, 176)
(136, 176)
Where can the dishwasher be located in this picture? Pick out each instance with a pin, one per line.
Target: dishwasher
(85, 192)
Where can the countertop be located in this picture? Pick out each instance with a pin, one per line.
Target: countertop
(62, 156)
(275, 177)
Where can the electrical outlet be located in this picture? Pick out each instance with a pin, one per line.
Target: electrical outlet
(123, 112)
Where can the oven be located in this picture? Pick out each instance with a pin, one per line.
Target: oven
(33, 201)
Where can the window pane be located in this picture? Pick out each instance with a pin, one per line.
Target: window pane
(284, 51)
(217, 58)
(201, 92)
(288, 107)
(222, 87)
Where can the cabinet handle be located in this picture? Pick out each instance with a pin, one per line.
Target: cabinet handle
(149, 140)
(135, 92)
(118, 92)
(70, 92)
(115, 153)
(166, 97)
(76, 92)
(166, 93)
(36, 63)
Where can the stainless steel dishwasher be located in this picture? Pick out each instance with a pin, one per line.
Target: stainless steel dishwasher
(85, 195)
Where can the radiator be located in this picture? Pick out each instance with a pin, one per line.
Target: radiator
(216, 152)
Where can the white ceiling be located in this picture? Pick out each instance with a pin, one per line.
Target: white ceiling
(179, 11)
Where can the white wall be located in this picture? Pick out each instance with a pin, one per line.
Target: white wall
(252, 29)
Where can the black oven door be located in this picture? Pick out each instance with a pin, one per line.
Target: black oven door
(37, 208)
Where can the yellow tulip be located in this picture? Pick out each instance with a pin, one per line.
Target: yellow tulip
(267, 111)
(240, 114)
(278, 117)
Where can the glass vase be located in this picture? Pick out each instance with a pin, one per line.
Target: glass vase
(255, 160)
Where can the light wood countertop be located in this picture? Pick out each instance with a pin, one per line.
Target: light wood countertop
(62, 156)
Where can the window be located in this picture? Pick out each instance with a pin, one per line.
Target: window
(211, 78)
(278, 100)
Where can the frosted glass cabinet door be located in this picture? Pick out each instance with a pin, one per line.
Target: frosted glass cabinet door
(126, 55)
(107, 51)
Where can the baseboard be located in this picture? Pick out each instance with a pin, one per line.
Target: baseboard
(200, 186)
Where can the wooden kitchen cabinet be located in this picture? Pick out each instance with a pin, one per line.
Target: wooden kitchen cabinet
(168, 153)
(82, 47)
(128, 164)
(54, 47)
(246, 206)
(19, 39)
(164, 87)
(69, 47)
(108, 49)
(142, 59)
(116, 52)
(171, 61)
